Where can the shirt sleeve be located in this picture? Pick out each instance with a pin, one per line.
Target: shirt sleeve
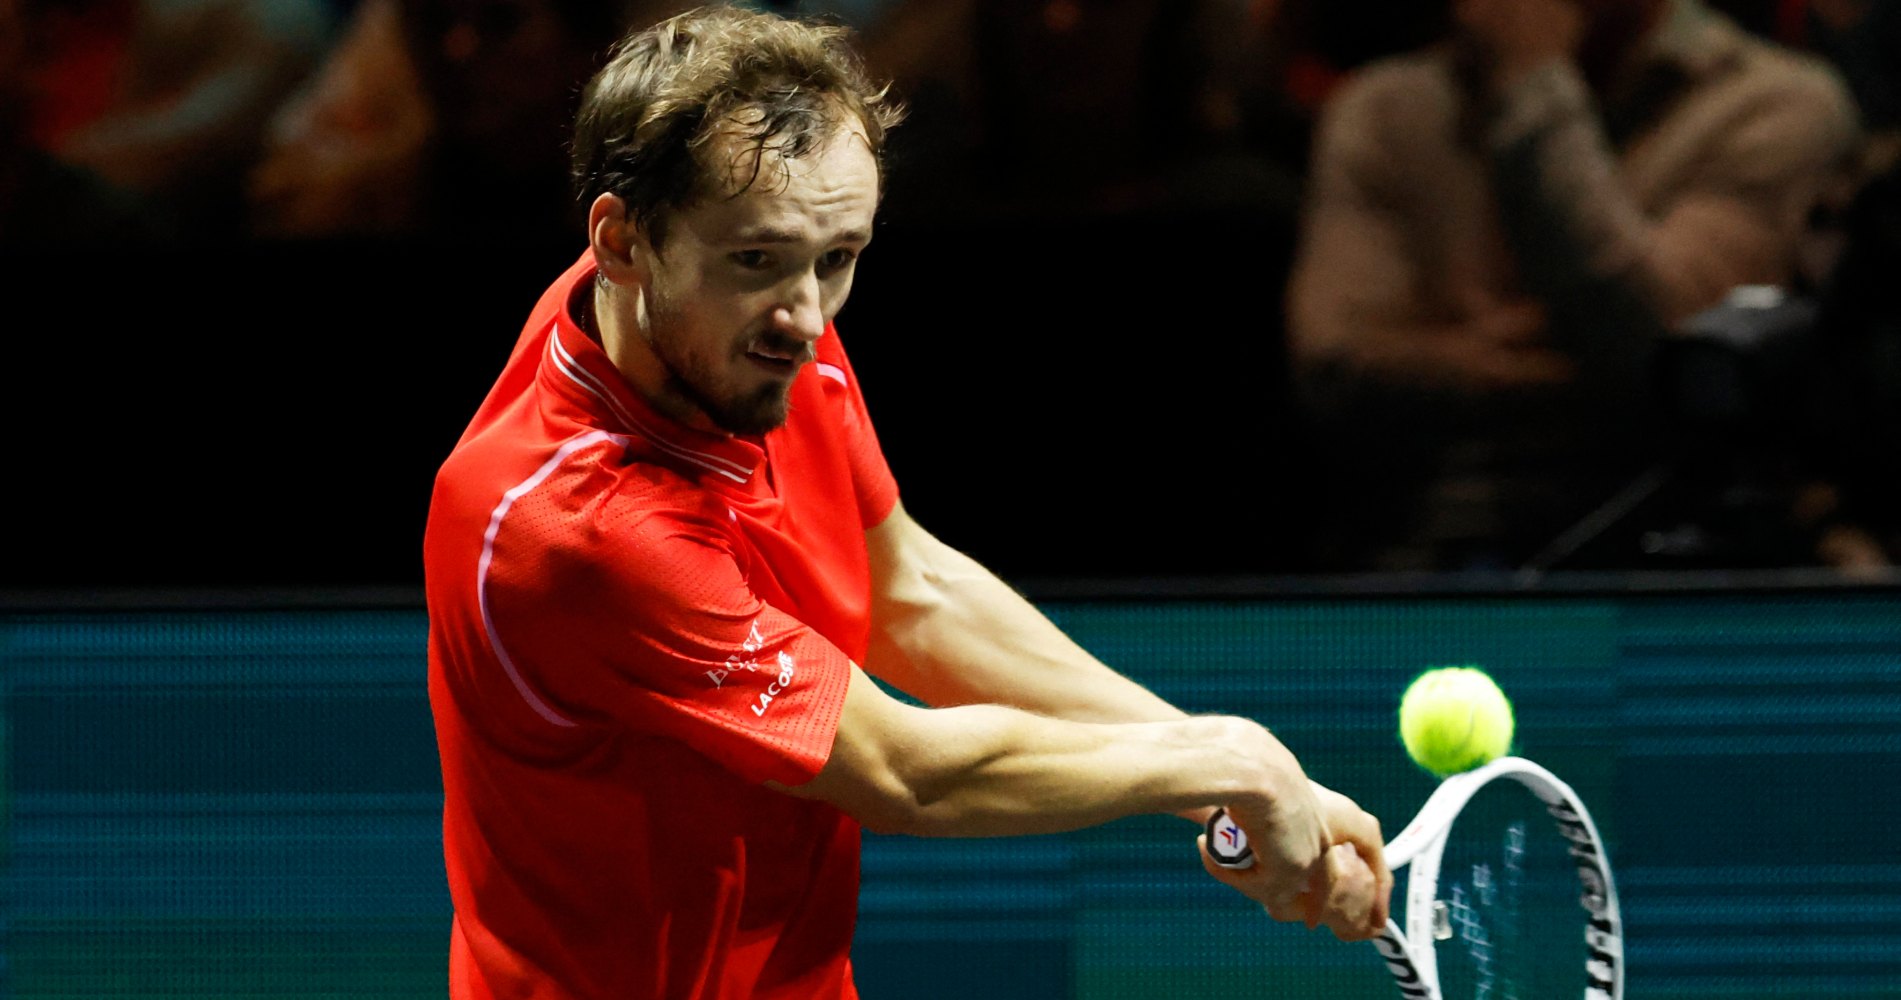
(876, 487)
(646, 624)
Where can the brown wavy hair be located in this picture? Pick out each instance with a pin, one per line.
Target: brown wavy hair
(782, 84)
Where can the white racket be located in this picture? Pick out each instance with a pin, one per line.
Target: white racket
(1519, 898)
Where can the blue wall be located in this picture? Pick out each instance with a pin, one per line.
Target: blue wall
(244, 803)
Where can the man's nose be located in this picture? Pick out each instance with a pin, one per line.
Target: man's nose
(801, 312)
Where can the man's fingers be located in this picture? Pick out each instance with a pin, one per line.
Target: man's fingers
(1351, 895)
(1354, 882)
(1208, 862)
(1361, 830)
(1364, 835)
(1382, 892)
(1247, 880)
(1343, 898)
(1293, 910)
(1282, 904)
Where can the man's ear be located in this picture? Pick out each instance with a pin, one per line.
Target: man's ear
(621, 249)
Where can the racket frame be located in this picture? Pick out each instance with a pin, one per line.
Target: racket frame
(1421, 846)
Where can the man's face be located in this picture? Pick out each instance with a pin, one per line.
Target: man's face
(746, 280)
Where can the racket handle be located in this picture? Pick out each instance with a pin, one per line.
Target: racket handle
(1227, 842)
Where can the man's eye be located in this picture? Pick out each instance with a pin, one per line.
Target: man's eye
(752, 260)
(835, 260)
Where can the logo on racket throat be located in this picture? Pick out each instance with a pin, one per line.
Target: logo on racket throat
(1603, 940)
(1583, 852)
(1400, 964)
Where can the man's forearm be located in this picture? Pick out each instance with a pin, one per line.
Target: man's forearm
(1555, 175)
(990, 770)
(1580, 241)
(1026, 774)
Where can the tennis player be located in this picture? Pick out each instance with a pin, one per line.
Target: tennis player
(667, 550)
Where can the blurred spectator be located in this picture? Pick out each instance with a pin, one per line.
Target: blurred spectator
(1857, 427)
(1861, 38)
(345, 155)
(1501, 230)
(167, 99)
(1058, 107)
(445, 118)
(46, 205)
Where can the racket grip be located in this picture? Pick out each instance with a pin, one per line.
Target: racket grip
(1227, 842)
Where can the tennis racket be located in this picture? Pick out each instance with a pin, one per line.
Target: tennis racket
(1506, 877)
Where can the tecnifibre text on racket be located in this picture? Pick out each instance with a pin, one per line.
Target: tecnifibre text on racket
(1508, 885)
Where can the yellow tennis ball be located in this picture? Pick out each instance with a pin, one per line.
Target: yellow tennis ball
(1453, 719)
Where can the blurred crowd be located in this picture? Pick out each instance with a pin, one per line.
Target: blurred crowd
(1573, 283)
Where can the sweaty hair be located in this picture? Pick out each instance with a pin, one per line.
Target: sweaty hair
(779, 84)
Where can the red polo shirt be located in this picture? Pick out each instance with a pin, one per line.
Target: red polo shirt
(632, 625)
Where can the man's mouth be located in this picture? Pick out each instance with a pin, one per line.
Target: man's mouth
(782, 358)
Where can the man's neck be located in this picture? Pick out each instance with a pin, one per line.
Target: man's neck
(581, 310)
(605, 324)
(616, 328)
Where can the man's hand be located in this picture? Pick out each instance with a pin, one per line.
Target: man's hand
(1506, 349)
(1355, 897)
(1497, 346)
(1290, 842)
(1521, 35)
(1318, 861)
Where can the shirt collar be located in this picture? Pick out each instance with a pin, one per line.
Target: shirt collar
(575, 366)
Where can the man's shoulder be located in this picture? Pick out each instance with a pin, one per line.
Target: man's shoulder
(607, 516)
(571, 483)
(1395, 94)
(1808, 79)
(1409, 78)
(1764, 72)
(1401, 102)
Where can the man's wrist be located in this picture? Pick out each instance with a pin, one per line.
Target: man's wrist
(1534, 99)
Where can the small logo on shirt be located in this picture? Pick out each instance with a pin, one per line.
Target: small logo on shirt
(747, 659)
(777, 687)
(738, 661)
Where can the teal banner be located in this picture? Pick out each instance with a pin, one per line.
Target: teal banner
(246, 804)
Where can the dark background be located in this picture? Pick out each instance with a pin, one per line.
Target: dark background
(1081, 396)
(1065, 387)
(233, 792)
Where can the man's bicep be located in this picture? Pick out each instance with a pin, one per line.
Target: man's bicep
(938, 617)
(863, 775)
(894, 546)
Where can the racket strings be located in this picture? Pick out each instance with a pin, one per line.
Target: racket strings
(1509, 891)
